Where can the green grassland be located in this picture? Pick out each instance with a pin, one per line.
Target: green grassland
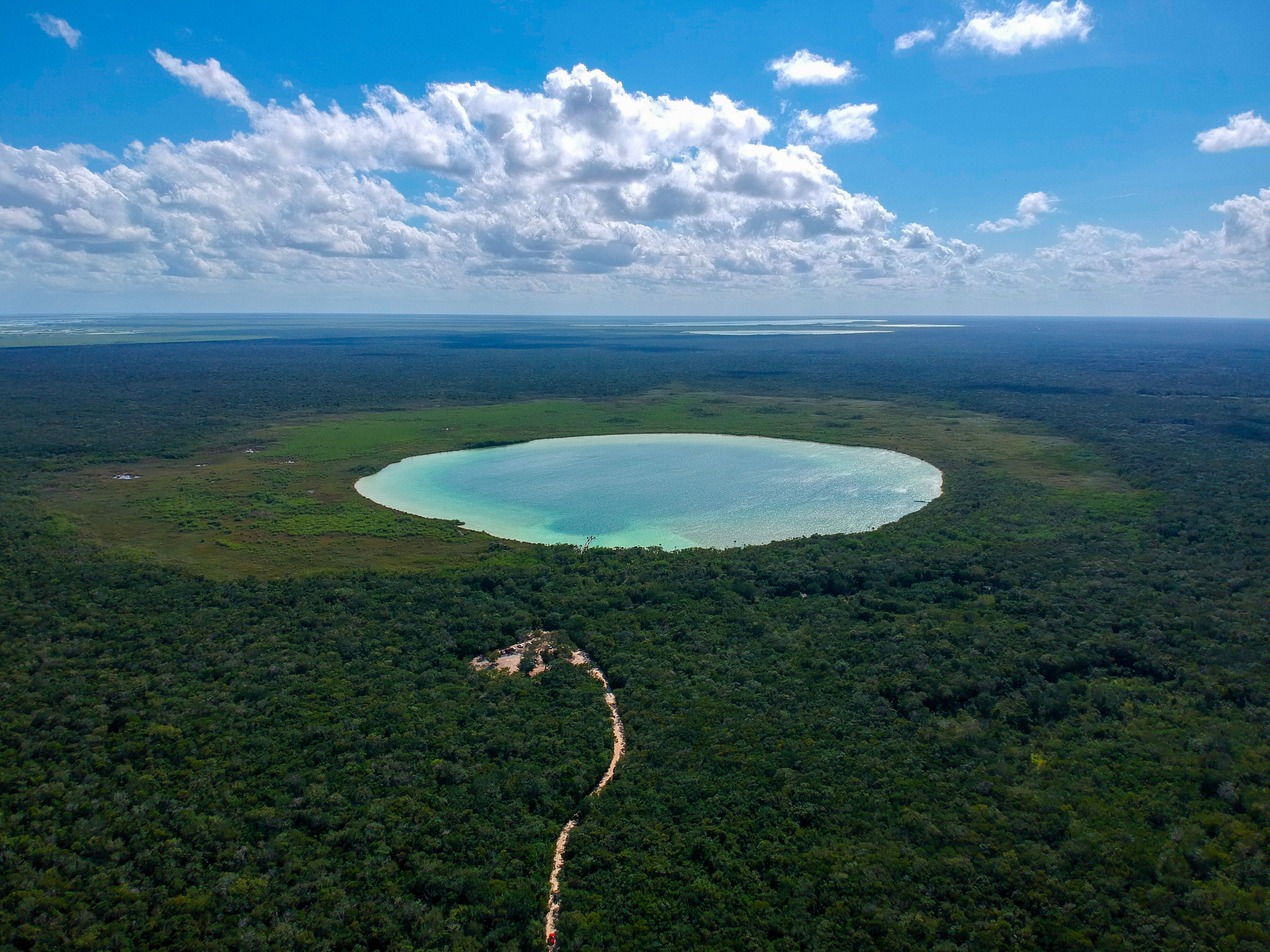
(282, 501)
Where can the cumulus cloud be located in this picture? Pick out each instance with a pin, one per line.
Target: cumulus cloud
(850, 122)
(1244, 131)
(1028, 25)
(57, 28)
(1210, 264)
(1030, 209)
(581, 177)
(805, 68)
(16, 220)
(918, 236)
(906, 41)
(208, 78)
(1246, 228)
(578, 186)
(1096, 258)
(54, 196)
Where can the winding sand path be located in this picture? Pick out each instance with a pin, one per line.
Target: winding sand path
(562, 841)
(539, 645)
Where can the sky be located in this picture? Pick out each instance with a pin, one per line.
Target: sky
(1082, 157)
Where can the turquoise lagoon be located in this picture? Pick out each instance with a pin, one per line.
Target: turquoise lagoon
(674, 490)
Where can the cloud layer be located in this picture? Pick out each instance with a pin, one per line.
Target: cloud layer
(1028, 25)
(580, 178)
(1244, 131)
(57, 28)
(805, 68)
(850, 122)
(1246, 226)
(1030, 209)
(579, 186)
(906, 41)
(208, 78)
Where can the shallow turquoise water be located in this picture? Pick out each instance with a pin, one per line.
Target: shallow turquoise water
(674, 490)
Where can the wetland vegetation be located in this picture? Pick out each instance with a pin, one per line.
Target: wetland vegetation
(281, 500)
(238, 707)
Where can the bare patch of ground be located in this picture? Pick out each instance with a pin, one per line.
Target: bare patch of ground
(538, 646)
(542, 647)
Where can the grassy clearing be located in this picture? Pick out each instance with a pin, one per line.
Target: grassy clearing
(283, 502)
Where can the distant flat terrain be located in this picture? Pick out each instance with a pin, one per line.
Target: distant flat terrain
(239, 706)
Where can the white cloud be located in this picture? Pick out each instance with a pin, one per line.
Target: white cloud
(1091, 258)
(906, 41)
(918, 236)
(580, 178)
(1243, 131)
(805, 68)
(580, 187)
(1031, 207)
(208, 78)
(1246, 229)
(57, 28)
(1028, 25)
(1208, 266)
(851, 122)
(15, 220)
(53, 195)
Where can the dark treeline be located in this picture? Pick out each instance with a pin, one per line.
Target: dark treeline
(1028, 716)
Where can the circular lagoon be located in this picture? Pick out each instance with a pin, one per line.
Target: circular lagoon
(674, 490)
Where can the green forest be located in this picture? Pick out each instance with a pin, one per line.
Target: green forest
(238, 710)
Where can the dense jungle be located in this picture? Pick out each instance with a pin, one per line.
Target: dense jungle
(237, 707)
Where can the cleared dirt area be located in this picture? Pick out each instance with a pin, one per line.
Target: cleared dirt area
(542, 647)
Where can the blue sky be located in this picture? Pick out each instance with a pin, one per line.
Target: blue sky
(1065, 157)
